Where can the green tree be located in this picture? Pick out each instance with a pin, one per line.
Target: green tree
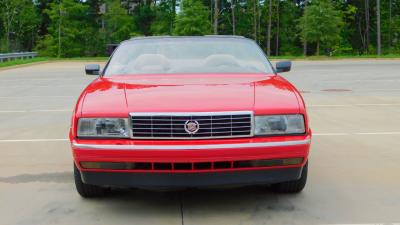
(95, 23)
(246, 19)
(321, 24)
(289, 40)
(19, 22)
(163, 23)
(118, 24)
(144, 15)
(82, 27)
(69, 30)
(193, 19)
(41, 7)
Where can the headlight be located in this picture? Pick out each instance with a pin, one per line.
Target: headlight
(103, 127)
(279, 124)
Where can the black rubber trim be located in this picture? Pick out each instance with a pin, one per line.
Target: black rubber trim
(203, 179)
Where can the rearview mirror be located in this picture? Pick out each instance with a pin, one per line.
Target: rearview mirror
(92, 69)
(283, 66)
(111, 48)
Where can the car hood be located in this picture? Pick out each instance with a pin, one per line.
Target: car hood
(120, 95)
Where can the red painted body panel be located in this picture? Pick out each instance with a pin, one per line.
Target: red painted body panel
(119, 95)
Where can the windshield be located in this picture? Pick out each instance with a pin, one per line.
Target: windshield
(188, 55)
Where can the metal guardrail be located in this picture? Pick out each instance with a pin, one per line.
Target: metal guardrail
(17, 55)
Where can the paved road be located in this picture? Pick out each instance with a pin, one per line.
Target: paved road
(354, 108)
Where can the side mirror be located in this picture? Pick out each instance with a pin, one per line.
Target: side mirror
(283, 66)
(92, 69)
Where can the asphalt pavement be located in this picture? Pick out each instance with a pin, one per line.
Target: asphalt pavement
(354, 170)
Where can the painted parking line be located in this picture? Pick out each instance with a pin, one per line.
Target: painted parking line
(44, 79)
(364, 224)
(330, 134)
(358, 133)
(37, 96)
(309, 92)
(353, 105)
(366, 80)
(41, 85)
(34, 140)
(335, 105)
(36, 110)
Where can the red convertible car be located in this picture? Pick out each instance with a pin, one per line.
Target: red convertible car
(169, 112)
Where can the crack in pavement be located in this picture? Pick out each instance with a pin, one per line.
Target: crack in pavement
(181, 206)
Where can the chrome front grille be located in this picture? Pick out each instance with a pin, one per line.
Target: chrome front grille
(210, 125)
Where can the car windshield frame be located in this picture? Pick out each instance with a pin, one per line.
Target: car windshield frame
(227, 57)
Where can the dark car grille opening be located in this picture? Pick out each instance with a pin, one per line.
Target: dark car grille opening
(202, 166)
(222, 165)
(142, 166)
(162, 166)
(182, 166)
(210, 125)
(191, 166)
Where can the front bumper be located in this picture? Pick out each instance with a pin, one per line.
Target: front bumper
(184, 180)
(224, 160)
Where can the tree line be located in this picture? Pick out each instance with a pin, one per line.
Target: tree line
(70, 28)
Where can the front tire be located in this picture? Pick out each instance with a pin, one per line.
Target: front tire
(294, 186)
(86, 190)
